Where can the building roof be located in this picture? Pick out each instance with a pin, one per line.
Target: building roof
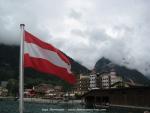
(43, 87)
(99, 91)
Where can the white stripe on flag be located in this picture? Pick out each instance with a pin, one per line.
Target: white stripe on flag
(37, 52)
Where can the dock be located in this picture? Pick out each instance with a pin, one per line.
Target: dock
(136, 97)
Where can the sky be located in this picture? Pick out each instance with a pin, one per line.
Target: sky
(85, 30)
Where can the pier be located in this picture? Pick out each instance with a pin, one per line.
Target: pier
(138, 97)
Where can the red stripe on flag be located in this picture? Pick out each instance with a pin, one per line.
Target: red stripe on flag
(45, 66)
(29, 38)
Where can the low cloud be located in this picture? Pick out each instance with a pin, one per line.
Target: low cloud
(85, 30)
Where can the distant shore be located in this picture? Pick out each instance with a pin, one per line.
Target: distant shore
(40, 100)
(8, 98)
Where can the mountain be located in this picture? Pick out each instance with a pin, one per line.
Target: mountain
(76, 67)
(9, 68)
(105, 65)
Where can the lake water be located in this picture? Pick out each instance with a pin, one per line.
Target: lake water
(12, 107)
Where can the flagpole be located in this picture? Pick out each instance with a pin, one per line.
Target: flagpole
(21, 71)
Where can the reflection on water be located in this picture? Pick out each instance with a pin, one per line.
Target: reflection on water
(12, 107)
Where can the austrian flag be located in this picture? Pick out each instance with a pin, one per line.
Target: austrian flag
(46, 58)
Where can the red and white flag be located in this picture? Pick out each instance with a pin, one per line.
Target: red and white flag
(46, 58)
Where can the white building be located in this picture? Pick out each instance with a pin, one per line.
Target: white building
(114, 78)
(105, 80)
(108, 79)
(93, 78)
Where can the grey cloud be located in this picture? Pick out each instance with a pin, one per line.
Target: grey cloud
(75, 14)
(85, 30)
(97, 35)
(78, 32)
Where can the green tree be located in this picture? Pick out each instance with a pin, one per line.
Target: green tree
(12, 87)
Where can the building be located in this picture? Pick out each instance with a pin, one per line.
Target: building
(93, 78)
(106, 79)
(3, 88)
(3, 91)
(129, 96)
(43, 88)
(114, 77)
(124, 84)
(58, 92)
(29, 93)
(49, 91)
(84, 83)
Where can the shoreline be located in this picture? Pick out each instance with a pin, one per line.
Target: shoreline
(54, 101)
(39, 100)
(8, 98)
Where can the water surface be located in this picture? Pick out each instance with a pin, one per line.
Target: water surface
(13, 107)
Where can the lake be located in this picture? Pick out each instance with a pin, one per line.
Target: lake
(13, 106)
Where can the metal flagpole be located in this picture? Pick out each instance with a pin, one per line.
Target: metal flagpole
(21, 71)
